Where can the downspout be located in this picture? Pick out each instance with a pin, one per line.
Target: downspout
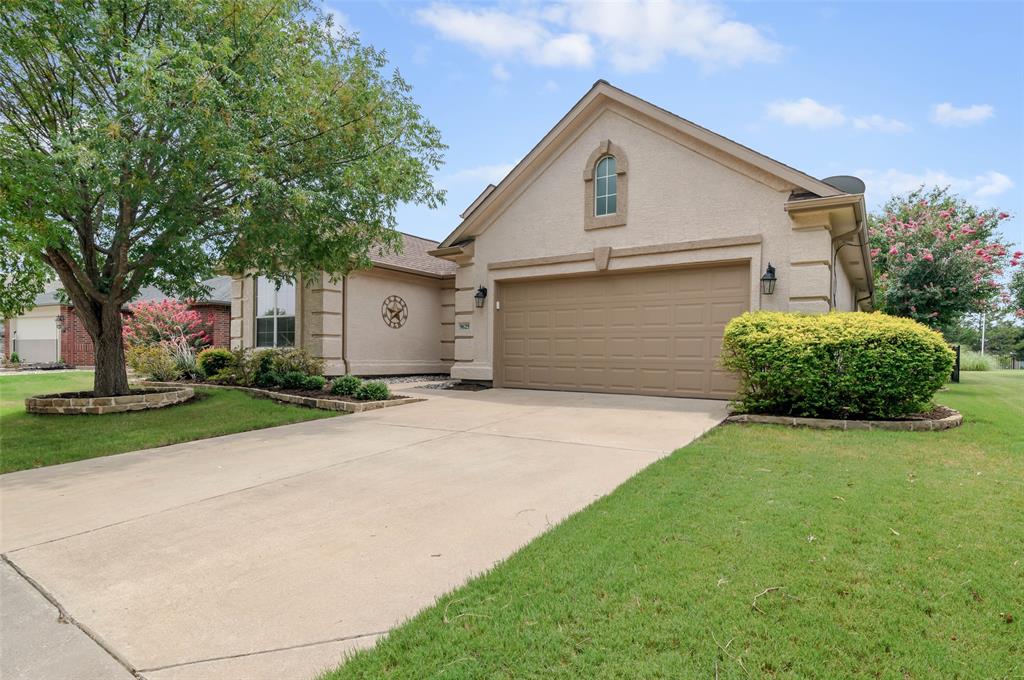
(344, 322)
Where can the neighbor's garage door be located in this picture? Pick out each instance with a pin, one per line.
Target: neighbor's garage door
(655, 332)
(35, 339)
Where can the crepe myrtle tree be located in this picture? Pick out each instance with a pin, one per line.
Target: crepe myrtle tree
(937, 257)
(156, 142)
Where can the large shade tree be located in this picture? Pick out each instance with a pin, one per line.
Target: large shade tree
(937, 257)
(155, 142)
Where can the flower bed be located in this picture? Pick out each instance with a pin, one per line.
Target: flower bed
(83, 403)
(939, 418)
(322, 399)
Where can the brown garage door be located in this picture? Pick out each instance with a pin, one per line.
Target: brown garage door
(655, 332)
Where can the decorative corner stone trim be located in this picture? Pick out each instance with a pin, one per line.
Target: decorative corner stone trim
(67, 404)
(310, 402)
(920, 425)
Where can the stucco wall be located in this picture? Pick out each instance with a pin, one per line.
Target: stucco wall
(676, 194)
(328, 310)
(373, 347)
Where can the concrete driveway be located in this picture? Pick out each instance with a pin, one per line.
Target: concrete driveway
(271, 554)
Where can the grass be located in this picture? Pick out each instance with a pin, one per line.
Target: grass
(29, 440)
(976, 361)
(892, 555)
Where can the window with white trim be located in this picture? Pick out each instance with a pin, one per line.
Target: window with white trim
(605, 189)
(275, 313)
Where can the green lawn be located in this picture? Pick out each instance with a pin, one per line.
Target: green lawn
(894, 555)
(29, 440)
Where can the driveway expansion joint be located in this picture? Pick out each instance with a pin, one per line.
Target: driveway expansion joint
(242, 655)
(67, 618)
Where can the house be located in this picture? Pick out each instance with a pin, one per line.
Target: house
(396, 318)
(609, 259)
(51, 331)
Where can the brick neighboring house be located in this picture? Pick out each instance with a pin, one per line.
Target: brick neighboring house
(51, 331)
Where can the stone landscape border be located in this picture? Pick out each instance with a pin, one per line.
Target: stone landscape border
(311, 402)
(65, 404)
(955, 419)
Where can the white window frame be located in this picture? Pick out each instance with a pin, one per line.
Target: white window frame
(276, 317)
(597, 179)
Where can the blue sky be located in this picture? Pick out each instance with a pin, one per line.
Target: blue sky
(897, 93)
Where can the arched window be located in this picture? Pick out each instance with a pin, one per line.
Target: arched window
(605, 187)
(605, 191)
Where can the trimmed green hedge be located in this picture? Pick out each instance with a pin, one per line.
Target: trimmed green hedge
(837, 365)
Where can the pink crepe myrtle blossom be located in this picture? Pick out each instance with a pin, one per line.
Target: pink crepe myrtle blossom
(875, 252)
(150, 323)
(1004, 216)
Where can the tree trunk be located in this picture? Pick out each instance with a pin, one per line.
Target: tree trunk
(111, 377)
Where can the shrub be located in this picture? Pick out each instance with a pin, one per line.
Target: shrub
(315, 382)
(976, 361)
(840, 365)
(346, 385)
(215, 360)
(257, 368)
(373, 391)
(184, 357)
(154, 361)
(295, 359)
(151, 323)
(293, 380)
(15, 359)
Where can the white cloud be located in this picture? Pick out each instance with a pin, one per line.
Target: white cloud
(882, 184)
(501, 34)
(486, 174)
(947, 115)
(500, 72)
(806, 113)
(642, 33)
(880, 123)
(635, 35)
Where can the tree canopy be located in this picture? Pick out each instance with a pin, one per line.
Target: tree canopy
(155, 142)
(937, 257)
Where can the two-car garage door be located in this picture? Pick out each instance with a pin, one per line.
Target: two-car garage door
(654, 332)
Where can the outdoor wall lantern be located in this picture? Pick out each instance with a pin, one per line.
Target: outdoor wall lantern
(768, 280)
(60, 322)
(481, 295)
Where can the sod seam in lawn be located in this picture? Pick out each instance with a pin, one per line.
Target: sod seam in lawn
(894, 555)
(29, 440)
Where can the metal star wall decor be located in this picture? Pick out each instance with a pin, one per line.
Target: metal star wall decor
(394, 311)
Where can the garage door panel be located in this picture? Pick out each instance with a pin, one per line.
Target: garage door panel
(656, 333)
(722, 312)
(623, 317)
(690, 347)
(690, 314)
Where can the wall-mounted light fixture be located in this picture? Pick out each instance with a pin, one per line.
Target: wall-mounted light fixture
(60, 322)
(479, 297)
(768, 280)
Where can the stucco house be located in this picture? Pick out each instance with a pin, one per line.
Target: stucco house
(609, 259)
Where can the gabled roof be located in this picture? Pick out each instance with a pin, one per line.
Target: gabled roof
(414, 258)
(603, 92)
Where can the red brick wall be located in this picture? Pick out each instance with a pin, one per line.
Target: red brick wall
(7, 338)
(76, 346)
(218, 319)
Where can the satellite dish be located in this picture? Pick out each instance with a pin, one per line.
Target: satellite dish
(848, 184)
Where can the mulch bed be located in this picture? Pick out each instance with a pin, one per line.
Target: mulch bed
(320, 394)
